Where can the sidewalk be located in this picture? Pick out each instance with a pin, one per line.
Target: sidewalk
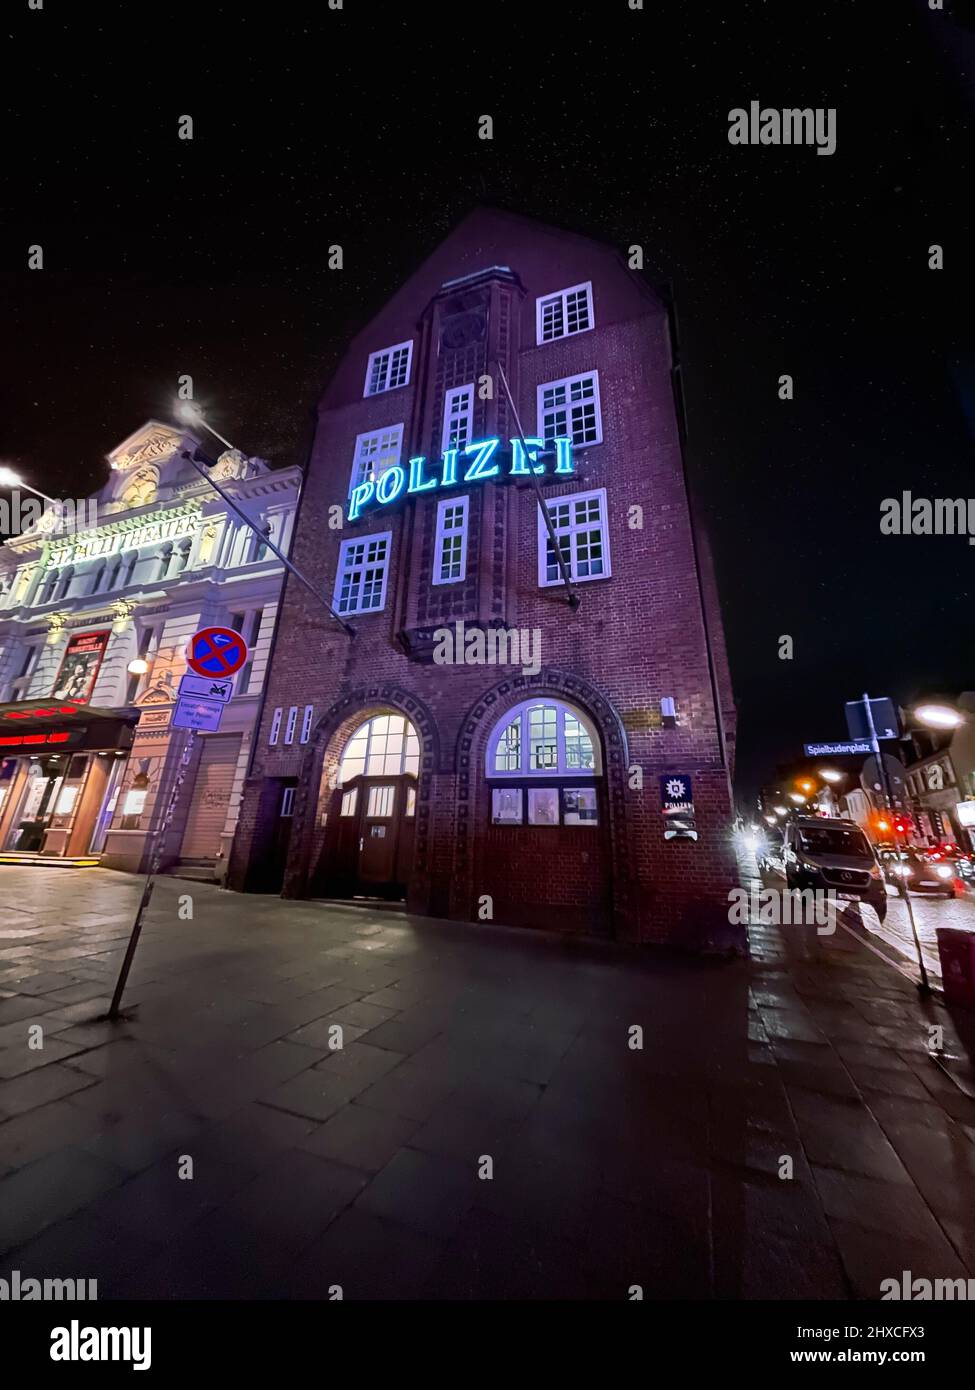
(467, 1049)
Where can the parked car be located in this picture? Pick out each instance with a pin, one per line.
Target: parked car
(832, 855)
(911, 871)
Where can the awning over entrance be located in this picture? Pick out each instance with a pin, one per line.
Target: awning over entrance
(31, 725)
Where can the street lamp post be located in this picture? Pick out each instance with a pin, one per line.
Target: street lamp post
(924, 987)
(190, 415)
(8, 478)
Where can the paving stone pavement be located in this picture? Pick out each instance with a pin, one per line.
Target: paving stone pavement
(468, 1051)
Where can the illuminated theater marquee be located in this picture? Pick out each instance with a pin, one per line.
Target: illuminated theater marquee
(486, 458)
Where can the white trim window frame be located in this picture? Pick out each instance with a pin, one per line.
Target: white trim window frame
(458, 418)
(569, 408)
(363, 573)
(580, 522)
(375, 451)
(450, 544)
(388, 369)
(557, 747)
(564, 314)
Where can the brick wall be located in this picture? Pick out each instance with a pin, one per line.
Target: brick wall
(637, 636)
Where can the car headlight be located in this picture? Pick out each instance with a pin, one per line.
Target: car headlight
(902, 871)
(943, 871)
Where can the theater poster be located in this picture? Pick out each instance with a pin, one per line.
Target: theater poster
(80, 667)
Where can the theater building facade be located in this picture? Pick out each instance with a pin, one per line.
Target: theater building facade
(503, 737)
(88, 757)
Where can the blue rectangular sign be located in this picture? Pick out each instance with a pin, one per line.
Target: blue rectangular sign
(193, 713)
(821, 750)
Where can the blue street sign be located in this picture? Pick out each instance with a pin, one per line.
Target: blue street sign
(821, 750)
(193, 713)
(884, 719)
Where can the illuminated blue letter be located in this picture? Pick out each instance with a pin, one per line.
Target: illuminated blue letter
(482, 451)
(416, 476)
(449, 468)
(360, 496)
(518, 462)
(391, 484)
(563, 452)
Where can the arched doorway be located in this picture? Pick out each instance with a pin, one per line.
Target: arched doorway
(542, 850)
(371, 812)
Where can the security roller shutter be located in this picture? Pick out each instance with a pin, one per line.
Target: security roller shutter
(210, 797)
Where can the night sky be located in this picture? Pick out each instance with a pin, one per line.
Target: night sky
(359, 126)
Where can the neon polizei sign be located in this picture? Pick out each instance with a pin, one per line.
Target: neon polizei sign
(482, 461)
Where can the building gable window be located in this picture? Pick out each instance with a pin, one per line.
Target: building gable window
(360, 584)
(458, 418)
(374, 453)
(563, 314)
(570, 408)
(580, 524)
(450, 546)
(388, 369)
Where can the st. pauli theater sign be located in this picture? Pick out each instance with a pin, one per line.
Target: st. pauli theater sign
(482, 461)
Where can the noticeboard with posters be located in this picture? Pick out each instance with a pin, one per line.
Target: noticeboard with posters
(80, 666)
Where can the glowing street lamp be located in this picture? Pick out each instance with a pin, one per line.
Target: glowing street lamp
(138, 666)
(780, 810)
(794, 796)
(830, 774)
(939, 716)
(189, 414)
(8, 478)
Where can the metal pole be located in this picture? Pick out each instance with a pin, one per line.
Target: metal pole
(113, 1012)
(292, 569)
(571, 597)
(924, 988)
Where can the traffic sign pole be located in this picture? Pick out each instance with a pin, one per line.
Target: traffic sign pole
(348, 629)
(924, 988)
(114, 1008)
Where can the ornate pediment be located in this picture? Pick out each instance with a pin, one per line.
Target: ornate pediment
(151, 444)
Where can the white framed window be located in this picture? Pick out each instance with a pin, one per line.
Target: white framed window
(570, 409)
(458, 417)
(288, 801)
(450, 546)
(384, 746)
(348, 802)
(276, 724)
(289, 732)
(388, 369)
(544, 738)
(381, 801)
(306, 723)
(562, 314)
(360, 584)
(374, 453)
(583, 534)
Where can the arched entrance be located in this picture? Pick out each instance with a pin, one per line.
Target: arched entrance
(370, 816)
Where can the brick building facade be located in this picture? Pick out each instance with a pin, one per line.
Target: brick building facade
(528, 792)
